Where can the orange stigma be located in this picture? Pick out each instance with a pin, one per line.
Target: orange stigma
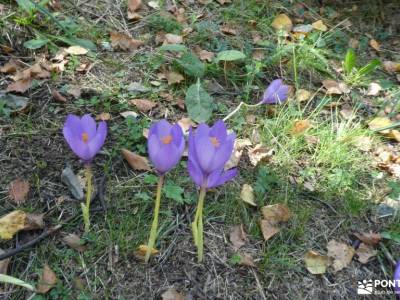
(167, 139)
(85, 137)
(214, 141)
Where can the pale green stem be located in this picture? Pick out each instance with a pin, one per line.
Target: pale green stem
(198, 225)
(86, 207)
(238, 108)
(153, 232)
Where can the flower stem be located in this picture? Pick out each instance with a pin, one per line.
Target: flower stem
(153, 232)
(239, 107)
(86, 207)
(197, 225)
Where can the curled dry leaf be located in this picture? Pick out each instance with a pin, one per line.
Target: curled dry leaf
(268, 230)
(20, 86)
(75, 242)
(341, 253)
(57, 96)
(300, 126)
(228, 29)
(140, 253)
(315, 262)
(365, 253)
(247, 194)
(374, 44)
(172, 294)
(47, 280)
(369, 238)
(124, 42)
(335, 88)
(380, 122)
(18, 191)
(143, 105)
(282, 22)
(260, 153)
(238, 148)
(136, 161)
(238, 236)
(10, 67)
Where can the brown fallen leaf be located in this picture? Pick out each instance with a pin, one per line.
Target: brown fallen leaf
(170, 38)
(57, 96)
(374, 44)
(174, 77)
(363, 143)
(124, 42)
(34, 221)
(260, 153)
(186, 124)
(75, 91)
(172, 294)
(247, 194)
(391, 66)
(75, 242)
(10, 67)
(140, 253)
(238, 236)
(341, 253)
(205, 55)
(369, 238)
(315, 262)
(47, 280)
(18, 191)
(319, 25)
(300, 126)
(276, 213)
(20, 86)
(143, 105)
(335, 88)
(238, 148)
(228, 29)
(134, 5)
(4, 263)
(365, 253)
(136, 161)
(103, 116)
(282, 22)
(258, 54)
(268, 230)
(246, 259)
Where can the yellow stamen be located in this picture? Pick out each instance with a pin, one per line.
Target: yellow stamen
(167, 139)
(85, 137)
(214, 141)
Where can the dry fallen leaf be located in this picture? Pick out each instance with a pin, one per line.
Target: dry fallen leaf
(268, 230)
(186, 124)
(300, 126)
(365, 253)
(391, 66)
(57, 96)
(258, 54)
(10, 67)
(75, 242)
(369, 238)
(205, 55)
(380, 122)
(373, 89)
(341, 253)
(238, 236)
(134, 5)
(170, 38)
(103, 116)
(319, 25)
(374, 44)
(76, 50)
(34, 221)
(237, 152)
(20, 86)
(123, 42)
(140, 253)
(136, 161)
(4, 263)
(282, 22)
(174, 77)
(228, 29)
(335, 88)
(18, 191)
(75, 91)
(247, 194)
(246, 259)
(47, 281)
(276, 213)
(11, 223)
(172, 294)
(129, 114)
(315, 262)
(303, 95)
(363, 143)
(143, 105)
(260, 153)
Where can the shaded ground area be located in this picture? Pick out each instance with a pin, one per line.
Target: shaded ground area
(331, 187)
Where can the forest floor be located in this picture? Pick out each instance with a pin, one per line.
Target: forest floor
(321, 153)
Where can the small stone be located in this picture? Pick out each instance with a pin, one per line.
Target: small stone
(385, 211)
(69, 178)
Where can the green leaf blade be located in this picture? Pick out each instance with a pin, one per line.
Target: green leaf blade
(230, 55)
(199, 103)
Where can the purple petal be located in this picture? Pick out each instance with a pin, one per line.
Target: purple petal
(396, 278)
(153, 146)
(163, 128)
(73, 122)
(177, 136)
(276, 92)
(205, 152)
(97, 142)
(80, 148)
(202, 130)
(222, 154)
(167, 158)
(195, 172)
(219, 130)
(89, 125)
(218, 177)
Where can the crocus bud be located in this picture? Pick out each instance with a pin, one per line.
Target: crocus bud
(276, 92)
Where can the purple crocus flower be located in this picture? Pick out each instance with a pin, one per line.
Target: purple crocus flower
(165, 144)
(396, 278)
(83, 136)
(276, 92)
(209, 150)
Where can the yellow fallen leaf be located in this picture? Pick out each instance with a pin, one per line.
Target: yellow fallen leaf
(341, 253)
(303, 95)
(374, 44)
(380, 122)
(141, 251)
(11, 223)
(319, 25)
(282, 22)
(300, 127)
(76, 50)
(315, 262)
(247, 194)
